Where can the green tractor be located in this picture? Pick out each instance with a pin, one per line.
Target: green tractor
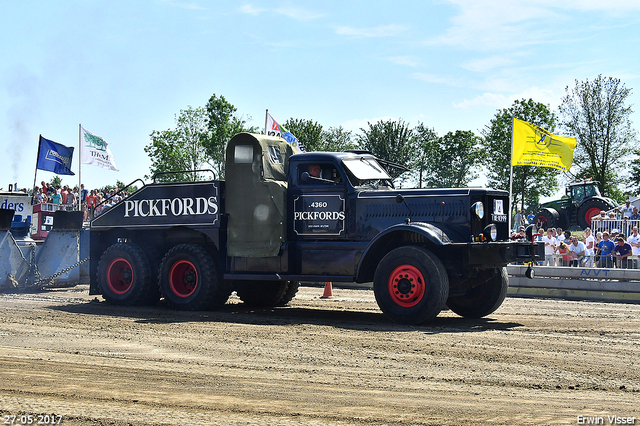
(581, 202)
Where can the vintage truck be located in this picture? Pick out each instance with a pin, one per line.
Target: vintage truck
(280, 218)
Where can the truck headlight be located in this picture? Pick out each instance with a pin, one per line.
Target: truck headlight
(490, 232)
(478, 209)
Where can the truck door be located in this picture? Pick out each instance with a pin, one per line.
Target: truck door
(319, 225)
(319, 205)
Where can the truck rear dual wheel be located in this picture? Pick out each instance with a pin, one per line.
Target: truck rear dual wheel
(189, 279)
(483, 299)
(124, 276)
(289, 294)
(264, 294)
(411, 285)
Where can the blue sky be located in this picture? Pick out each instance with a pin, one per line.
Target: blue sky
(125, 68)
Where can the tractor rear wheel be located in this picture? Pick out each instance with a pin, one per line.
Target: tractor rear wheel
(589, 209)
(547, 218)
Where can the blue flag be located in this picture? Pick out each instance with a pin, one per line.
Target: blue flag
(54, 157)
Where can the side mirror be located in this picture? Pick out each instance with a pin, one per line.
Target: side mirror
(305, 176)
(399, 198)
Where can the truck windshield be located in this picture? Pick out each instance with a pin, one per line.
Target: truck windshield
(366, 168)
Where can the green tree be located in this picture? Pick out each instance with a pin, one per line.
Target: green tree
(180, 149)
(596, 113)
(455, 159)
(426, 141)
(56, 181)
(223, 123)
(528, 182)
(308, 132)
(337, 139)
(390, 140)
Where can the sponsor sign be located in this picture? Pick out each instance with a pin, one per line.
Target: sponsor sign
(319, 215)
(165, 205)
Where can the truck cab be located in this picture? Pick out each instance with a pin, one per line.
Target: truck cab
(283, 218)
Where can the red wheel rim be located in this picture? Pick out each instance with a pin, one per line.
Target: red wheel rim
(593, 211)
(406, 286)
(183, 278)
(119, 276)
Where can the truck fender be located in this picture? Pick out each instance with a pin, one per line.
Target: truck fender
(419, 233)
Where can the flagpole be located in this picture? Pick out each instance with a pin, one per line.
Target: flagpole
(266, 115)
(35, 175)
(80, 163)
(511, 175)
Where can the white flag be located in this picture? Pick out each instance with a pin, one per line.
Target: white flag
(95, 151)
(273, 128)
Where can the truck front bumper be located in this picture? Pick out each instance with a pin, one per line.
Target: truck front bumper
(503, 253)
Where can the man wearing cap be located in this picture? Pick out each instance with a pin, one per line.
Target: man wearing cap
(622, 251)
(577, 252)
(550, 244)
(605, 247)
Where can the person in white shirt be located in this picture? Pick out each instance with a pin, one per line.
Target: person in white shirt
(577, 252)
(590, 244)
(634, 242)
(550, 244)
(560, 236)
(627, 209)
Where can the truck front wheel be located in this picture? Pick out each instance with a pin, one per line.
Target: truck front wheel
(482, 299)
(410, 285)
(189, 279)
(124, 276)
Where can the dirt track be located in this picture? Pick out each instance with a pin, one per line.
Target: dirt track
(318, 361)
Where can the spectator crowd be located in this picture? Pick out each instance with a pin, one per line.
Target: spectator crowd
(92, 203)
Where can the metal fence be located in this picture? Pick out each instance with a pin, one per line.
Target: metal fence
(624, 226)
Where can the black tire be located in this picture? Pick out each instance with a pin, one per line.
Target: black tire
(289, 294)
(189, 279)
(261, 294)
(410, 285)
(124, 276)
(547, 218)
(591, 208)
(483, 299)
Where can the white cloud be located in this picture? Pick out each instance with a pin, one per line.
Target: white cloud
(356, 124)
(409, 61)
(486, 99)
(499, 100)
(433, 78)
(390, 30)
(189, 6)
(298, 13)
(251, 10)
(488, 63)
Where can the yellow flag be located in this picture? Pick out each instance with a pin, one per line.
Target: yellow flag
(534, 146)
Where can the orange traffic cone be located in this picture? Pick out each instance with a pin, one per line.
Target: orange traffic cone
(328, 291)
